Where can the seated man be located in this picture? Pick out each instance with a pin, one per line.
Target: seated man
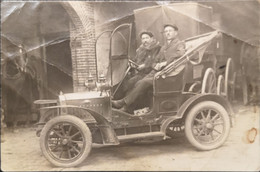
(145, 56)
(172, 50)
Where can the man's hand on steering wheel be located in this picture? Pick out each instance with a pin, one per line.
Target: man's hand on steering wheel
(141, 67)
(132, 64)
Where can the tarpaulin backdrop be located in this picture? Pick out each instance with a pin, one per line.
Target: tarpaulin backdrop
(190, 22)
(239, 19)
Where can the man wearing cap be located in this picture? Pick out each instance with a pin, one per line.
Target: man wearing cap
(145, 57)
(147, 51)
(171, 50)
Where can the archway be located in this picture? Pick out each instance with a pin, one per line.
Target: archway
(45, 30)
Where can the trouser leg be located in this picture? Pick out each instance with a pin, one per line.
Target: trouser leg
(140, 87)
(131, 83)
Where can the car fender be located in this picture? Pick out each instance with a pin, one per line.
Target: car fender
(189, 103)
(108, 133)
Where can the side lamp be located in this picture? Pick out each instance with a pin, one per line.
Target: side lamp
(90, 83)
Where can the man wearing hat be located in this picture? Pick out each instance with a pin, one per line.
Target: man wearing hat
(171, 50)
(145, 57)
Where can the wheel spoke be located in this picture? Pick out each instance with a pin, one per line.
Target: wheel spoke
(198, 127)
(62, 129)
(217, 131)
(215, 117)
(69, 153)
(208, 115)
(200, 132)
(61, 154)
(211, 135)
(74, 148)
(55, 147)
(69, 130)
(58, 134)
(218, 123)
(53, 139)
(199, 120)
(75, 134)
(202, 114)
(74, 141)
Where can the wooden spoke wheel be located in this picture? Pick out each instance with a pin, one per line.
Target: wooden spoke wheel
(209, 82)
(65, 141)
(221, 86)
(207, 125)
(230, 79)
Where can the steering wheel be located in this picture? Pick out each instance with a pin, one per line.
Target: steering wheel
(132, 64)
(135, 66)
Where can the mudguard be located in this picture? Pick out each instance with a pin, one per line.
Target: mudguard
(189, 103)
(107, 132)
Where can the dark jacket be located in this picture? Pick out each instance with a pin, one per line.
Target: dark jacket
(147, 56)
(172, 51)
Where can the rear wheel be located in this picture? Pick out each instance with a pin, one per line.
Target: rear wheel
(209, 82)
(65, 141)
(207, 125)
(230, 79)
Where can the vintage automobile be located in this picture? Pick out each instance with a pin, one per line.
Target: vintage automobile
(186, 96)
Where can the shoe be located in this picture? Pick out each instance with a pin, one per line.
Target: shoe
(118, 103)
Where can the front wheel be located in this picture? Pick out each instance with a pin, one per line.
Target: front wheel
(65, 141)
(207, 125)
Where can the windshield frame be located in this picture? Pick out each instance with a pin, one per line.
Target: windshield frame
(110, 49)
(96, 54)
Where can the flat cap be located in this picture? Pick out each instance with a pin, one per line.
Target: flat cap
(171, 25)
(146, 32)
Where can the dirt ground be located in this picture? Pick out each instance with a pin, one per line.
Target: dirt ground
(21, 152)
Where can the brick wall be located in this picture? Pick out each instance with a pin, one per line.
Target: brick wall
(82, 41)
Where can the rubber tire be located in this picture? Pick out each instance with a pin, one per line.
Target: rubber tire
(86, 134)
(189, 119)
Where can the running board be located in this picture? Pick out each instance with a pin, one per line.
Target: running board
(140, 136)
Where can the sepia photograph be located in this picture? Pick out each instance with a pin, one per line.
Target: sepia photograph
(130, 85)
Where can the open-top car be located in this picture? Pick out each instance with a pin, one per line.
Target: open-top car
(186, 95)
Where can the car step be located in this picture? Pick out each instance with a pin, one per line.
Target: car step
(140, 136)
